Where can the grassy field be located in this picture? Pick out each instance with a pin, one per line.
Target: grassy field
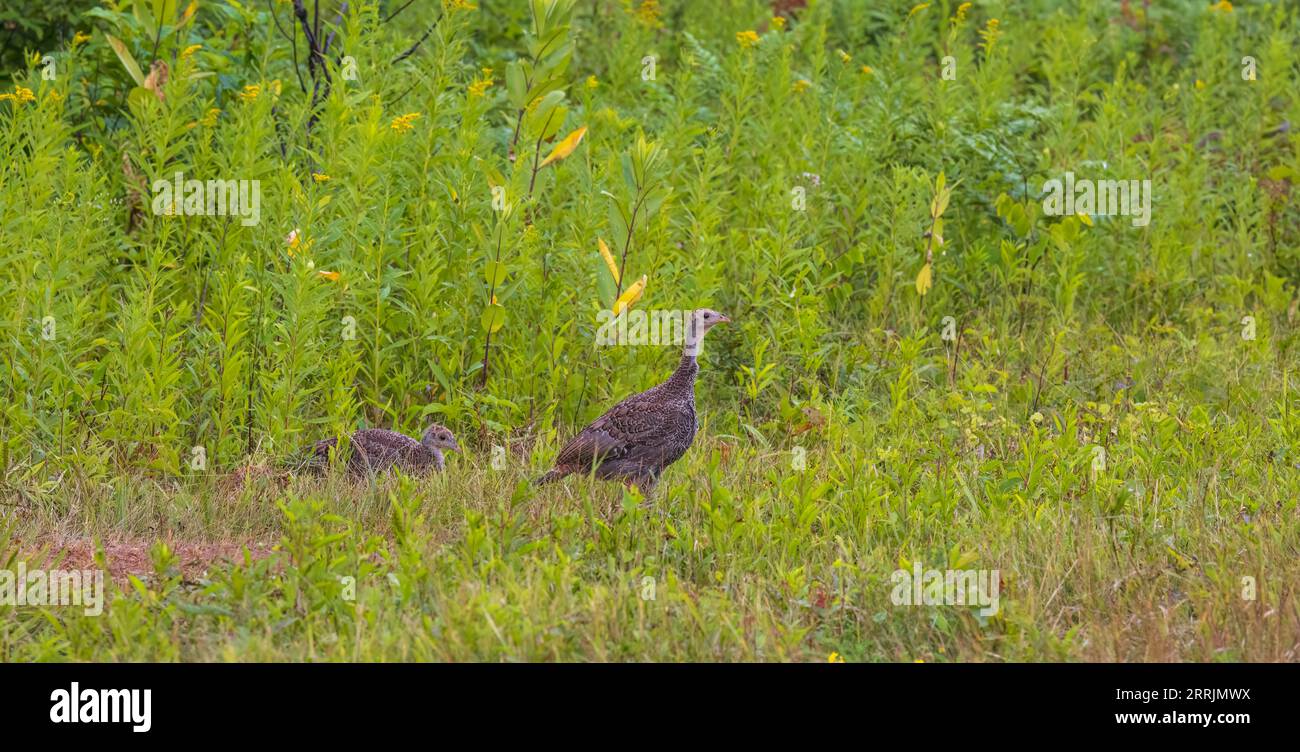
(927, 367)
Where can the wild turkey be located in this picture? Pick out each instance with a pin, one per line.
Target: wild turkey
(646, 432)
(376, 450)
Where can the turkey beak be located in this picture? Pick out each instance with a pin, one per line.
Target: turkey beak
(724, 318)
(454, 447)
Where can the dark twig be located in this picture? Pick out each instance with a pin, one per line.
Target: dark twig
(417, 44)
(393, 15)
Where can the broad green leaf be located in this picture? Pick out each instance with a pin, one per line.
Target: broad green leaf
(128, 61)
(493, 318)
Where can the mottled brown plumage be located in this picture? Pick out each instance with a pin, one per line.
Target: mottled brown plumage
(376, 450)
(642, 435)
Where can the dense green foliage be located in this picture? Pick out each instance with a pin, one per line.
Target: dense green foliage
(787, 177)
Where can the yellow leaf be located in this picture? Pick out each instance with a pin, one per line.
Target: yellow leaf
(609, 259)
(565, 147)
(630, 296)
(190, 10)
(924, 280)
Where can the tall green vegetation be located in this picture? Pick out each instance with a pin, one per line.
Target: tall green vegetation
(859, 185)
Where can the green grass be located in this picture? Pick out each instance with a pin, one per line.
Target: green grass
(1101, 433)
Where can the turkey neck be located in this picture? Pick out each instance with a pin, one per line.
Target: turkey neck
(438, 460)
(683, 379)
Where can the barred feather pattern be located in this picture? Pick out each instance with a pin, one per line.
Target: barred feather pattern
(637, 438)
(377, 450)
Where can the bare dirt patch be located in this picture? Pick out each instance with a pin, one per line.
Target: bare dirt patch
(131, 556)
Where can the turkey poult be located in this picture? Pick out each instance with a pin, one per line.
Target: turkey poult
(646, 432)
(376, 450)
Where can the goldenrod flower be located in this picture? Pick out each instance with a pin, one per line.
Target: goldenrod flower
(1222, 5)
(331, 276)
(79, 39)
(834, 658)
(193, 48)
(990, 34)
(403, 123)
(250, 92)
(778, 22)
(747, 39)
(320, 177)
(459, 5)
(209, 120)
(592, 82)
(866, 69)
(479, 86)
(845, 57)
(917, 9)
(21, 95)
(647, 14)
(961, 11)
(800, 86)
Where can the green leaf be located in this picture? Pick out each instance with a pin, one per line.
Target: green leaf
(128, 61)
(494, 274)
(515, 87)
(493, 318)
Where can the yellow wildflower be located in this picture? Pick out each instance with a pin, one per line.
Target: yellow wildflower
(866, 69)
(210, 119)
(459, 5)
(320, 177)
(917, 9)
(778, 22)
(479, 86)
(747, 39)
(1222, 5)
(845, 57)
(800, 86)
(21, 95)
(193, 48)
(331, 276)
(647, 14)
(592, 82)
(1200, 84)
(990, 34)
(250, 92)
(404, 123)
(79, 39)
(961, 11)
(293, 240)
(834, 658)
